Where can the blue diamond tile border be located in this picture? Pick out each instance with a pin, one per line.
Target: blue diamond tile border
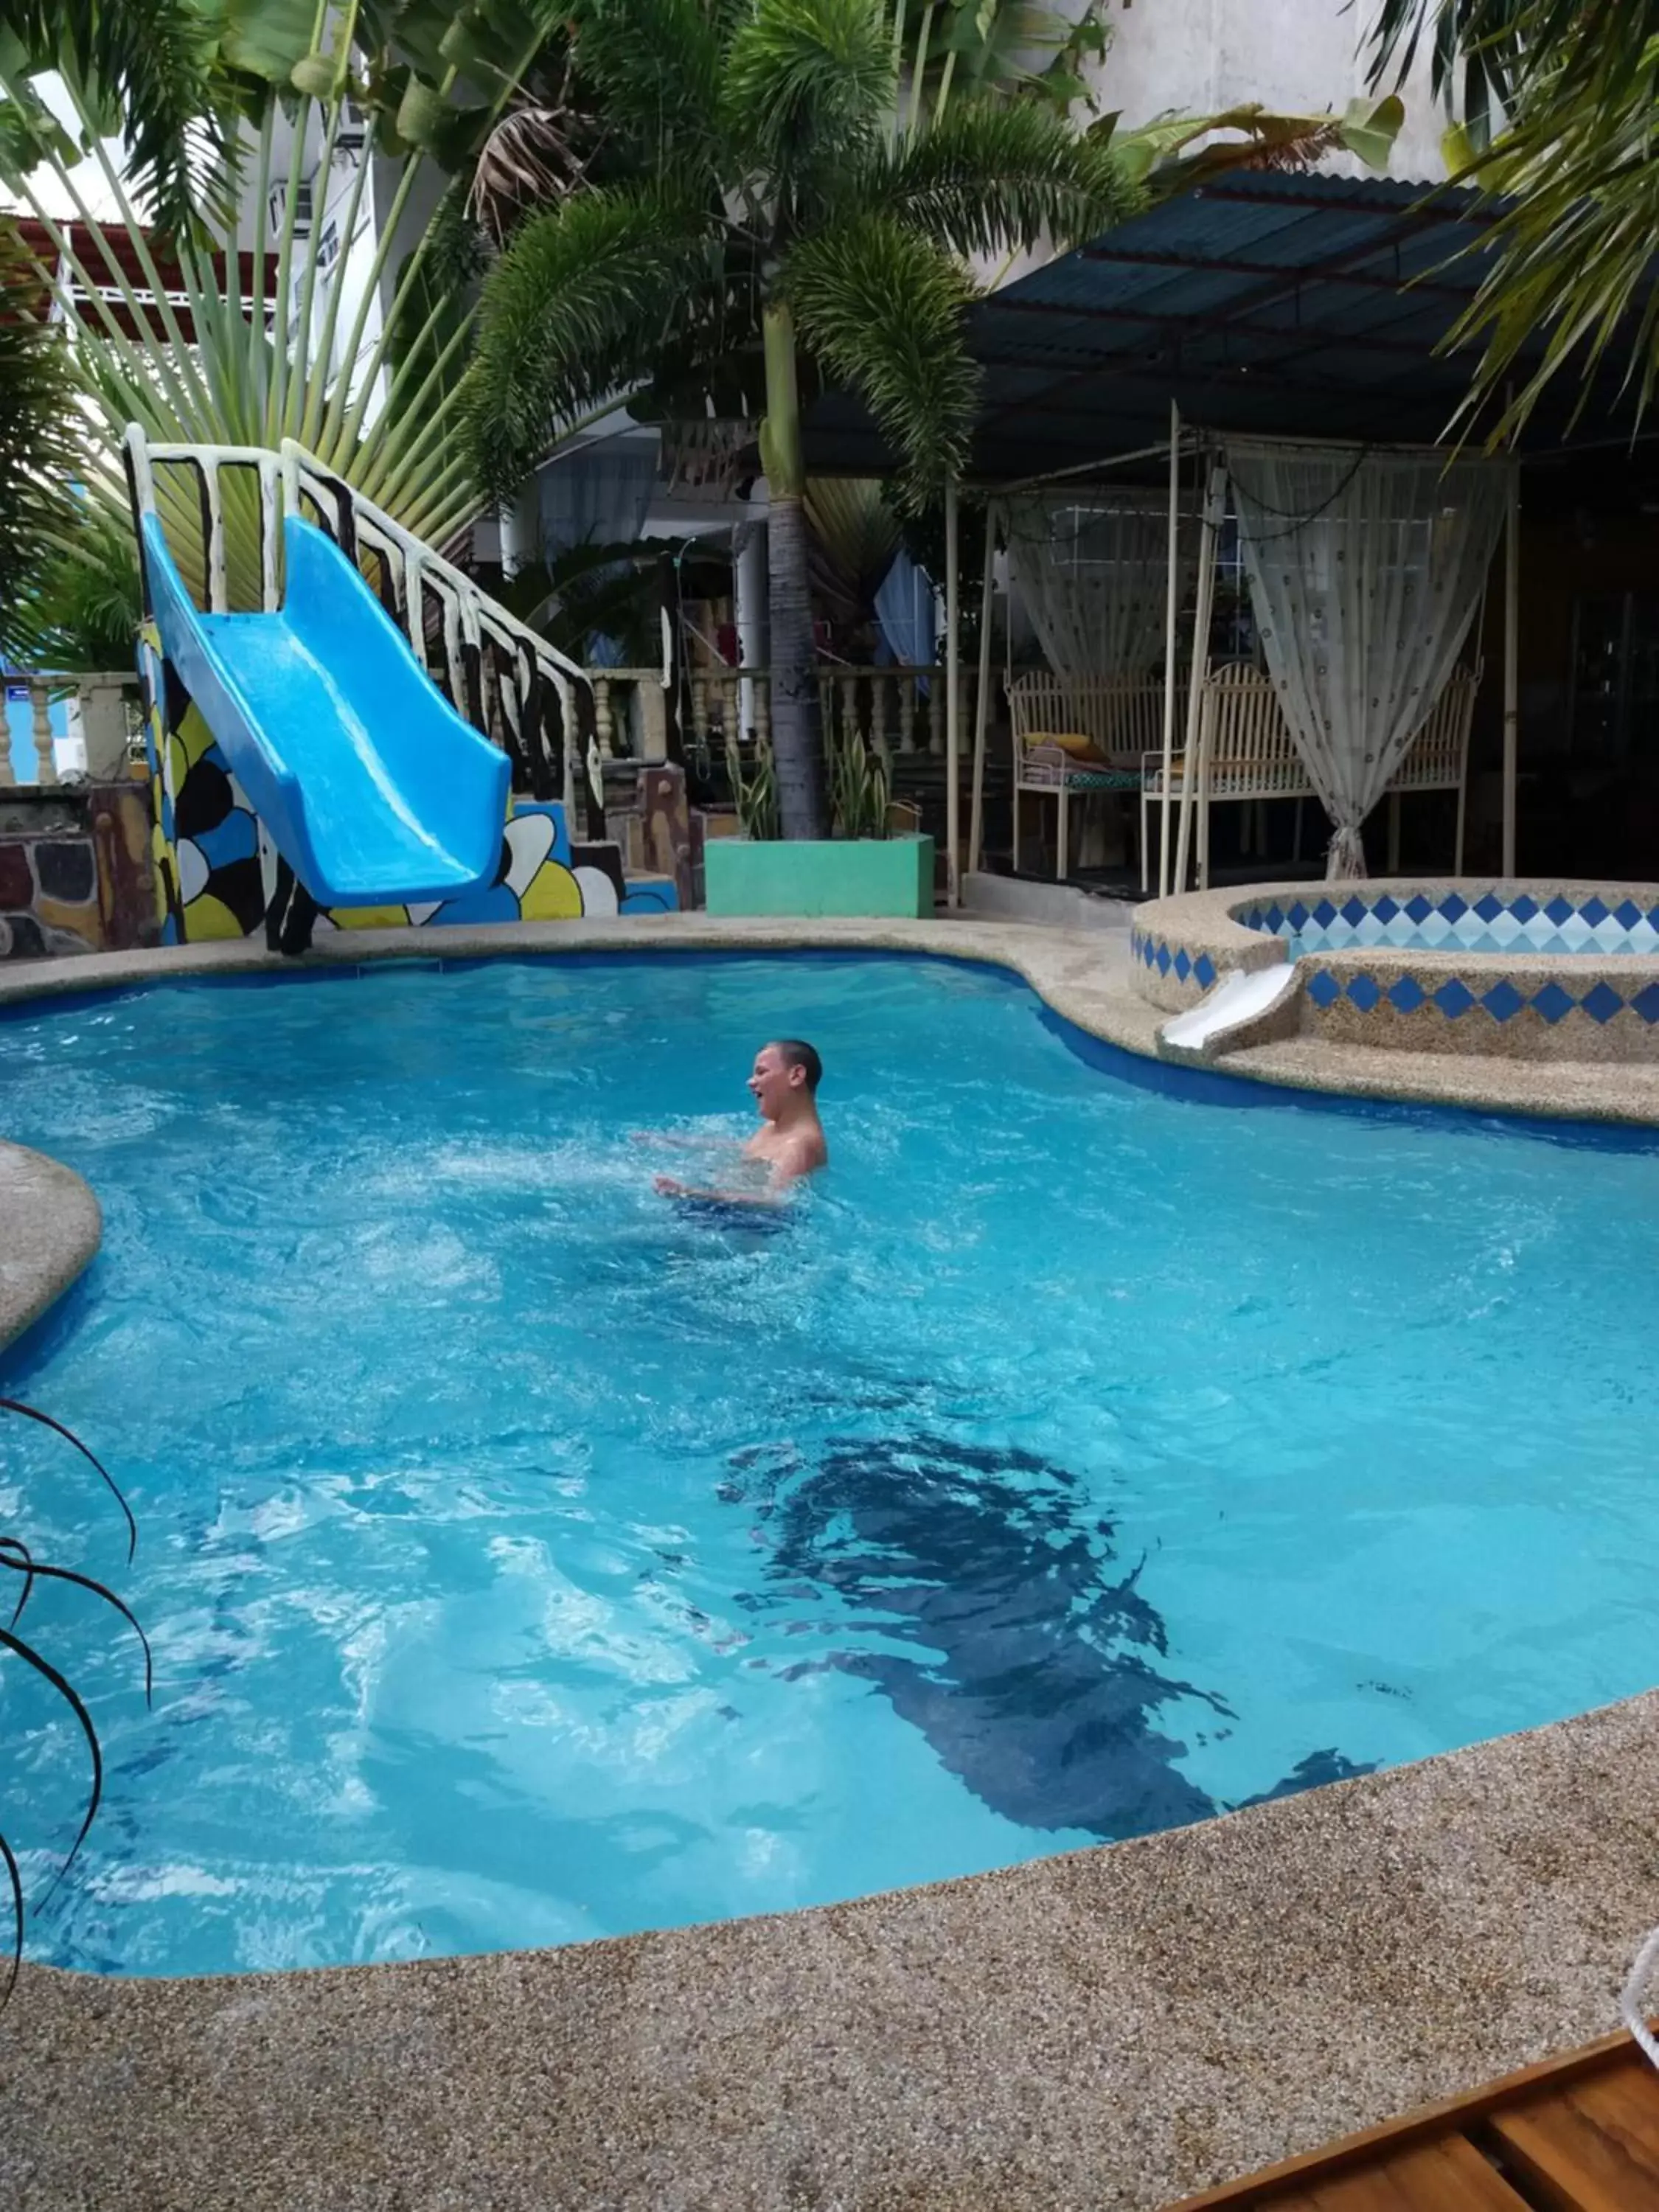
(1453, 999)
(1503, 1002)
(1602, 1002)
(1553, 1003)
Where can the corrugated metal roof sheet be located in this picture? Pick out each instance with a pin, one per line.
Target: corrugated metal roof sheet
(1287, 305)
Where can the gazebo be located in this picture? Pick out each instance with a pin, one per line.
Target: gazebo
(1277, 338)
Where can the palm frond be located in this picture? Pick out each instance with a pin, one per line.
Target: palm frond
(158, 68)
(1576, 182)
(993, 177)
(808, 84)
(38, 435)
(652, 68)
(882, 308)
(82, 609)
(575, 310)
(1489, 56)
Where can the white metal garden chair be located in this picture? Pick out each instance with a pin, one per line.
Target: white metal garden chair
(1115, 718)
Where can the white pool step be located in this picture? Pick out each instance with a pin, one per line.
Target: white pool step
(1241, 1000)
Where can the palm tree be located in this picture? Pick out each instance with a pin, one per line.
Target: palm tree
(758, 193)
(1559, 99)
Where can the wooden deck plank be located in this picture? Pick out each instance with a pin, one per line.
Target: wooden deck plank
(1428, 2121)
(1445, 2175)
(1590, 2147)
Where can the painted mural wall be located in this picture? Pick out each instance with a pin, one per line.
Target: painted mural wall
(75, 870)
(215, 869)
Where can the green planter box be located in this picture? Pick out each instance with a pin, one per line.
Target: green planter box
(864, 876)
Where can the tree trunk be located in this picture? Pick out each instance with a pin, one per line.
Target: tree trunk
(797, 731)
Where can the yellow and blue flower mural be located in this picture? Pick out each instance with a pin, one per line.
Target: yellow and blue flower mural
(215, 868)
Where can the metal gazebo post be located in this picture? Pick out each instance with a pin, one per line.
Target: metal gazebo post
(1511, 661)
(952, 705)
(982, 698)
(1170, 611)
(1195, 771)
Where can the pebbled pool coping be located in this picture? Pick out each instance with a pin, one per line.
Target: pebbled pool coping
(1110, 2029)
(49, 1228)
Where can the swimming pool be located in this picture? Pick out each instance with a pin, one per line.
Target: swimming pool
(527, 1562)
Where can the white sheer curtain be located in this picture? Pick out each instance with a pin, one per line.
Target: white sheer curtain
(597, 494)
(1091, 574)
(1365, 571)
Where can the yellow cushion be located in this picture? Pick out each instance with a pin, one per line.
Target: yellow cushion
(1069, 741)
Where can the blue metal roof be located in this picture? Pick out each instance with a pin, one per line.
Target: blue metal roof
(1285, 305)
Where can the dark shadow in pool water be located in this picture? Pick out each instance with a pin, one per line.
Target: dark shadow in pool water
(1034, 1677)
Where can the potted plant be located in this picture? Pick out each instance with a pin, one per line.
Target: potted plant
(862, 868)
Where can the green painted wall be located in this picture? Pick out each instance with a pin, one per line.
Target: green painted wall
(874, 876)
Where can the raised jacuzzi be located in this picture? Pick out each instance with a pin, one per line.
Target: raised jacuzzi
(1544, 971)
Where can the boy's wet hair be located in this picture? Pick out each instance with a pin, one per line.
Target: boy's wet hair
(795, 1051)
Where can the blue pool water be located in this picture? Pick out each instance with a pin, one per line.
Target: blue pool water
(1403, 936)
(528, 1560)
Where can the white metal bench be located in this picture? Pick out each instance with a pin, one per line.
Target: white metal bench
(1250, 756)
(1123, 719)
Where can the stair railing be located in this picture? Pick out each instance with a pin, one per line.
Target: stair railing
(512, 685)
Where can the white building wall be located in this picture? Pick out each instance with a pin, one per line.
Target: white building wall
(1200, 57)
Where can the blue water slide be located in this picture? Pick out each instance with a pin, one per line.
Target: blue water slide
(371, 785)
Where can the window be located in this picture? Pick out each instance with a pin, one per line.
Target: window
(278, 206)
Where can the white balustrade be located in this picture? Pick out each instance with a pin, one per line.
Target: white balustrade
(103, 706)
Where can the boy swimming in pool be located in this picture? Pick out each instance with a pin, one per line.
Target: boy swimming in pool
(789, 1145)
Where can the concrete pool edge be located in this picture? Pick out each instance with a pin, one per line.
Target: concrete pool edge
(1113, 2027)
(1110, 2028)
(49, 1228)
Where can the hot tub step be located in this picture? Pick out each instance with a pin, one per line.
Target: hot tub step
(1233, 1014)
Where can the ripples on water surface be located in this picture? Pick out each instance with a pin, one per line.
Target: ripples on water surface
(525, 1561)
